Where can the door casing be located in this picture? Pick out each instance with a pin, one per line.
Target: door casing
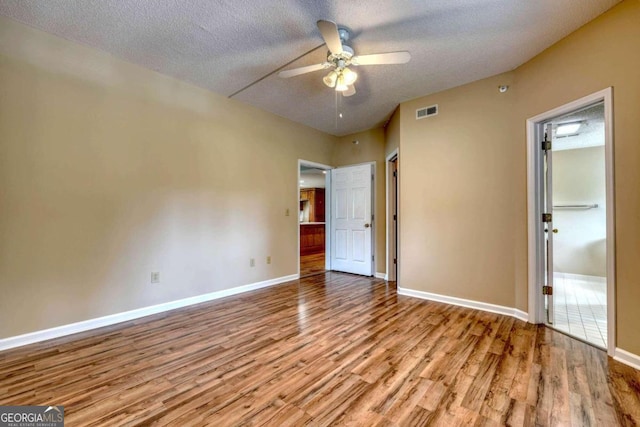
(535, 190)
(392, 233)
(328, 211)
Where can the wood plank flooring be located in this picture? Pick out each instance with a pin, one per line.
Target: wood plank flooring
(312, 264)
(331, 349)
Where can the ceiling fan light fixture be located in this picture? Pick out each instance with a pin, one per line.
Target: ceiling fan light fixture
(340, 57)
(330, 79)
(341, 86)
(349, 76)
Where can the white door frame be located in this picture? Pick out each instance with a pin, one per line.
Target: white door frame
(327, 212)
(534, 193)
(392, 241)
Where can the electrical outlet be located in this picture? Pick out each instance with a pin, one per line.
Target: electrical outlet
(252, 262)
(155, 277)
(287, 213)
(269, 259)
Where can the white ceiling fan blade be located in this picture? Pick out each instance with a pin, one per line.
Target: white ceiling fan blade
(329, 31)
(382, 58)
(351, 90)
(303, 70)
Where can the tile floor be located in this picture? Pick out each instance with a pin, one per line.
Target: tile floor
(581, 307)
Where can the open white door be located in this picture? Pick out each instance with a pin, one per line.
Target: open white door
(547, 219)
(351, 220)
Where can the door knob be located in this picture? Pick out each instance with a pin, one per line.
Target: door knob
(555, 230)
(367, 225)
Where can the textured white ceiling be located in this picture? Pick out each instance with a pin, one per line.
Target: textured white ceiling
(227, 44)
(591, 133)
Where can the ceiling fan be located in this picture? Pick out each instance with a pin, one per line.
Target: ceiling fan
(340, 57)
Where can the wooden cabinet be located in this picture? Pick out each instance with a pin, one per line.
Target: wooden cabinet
(311, 238)
(315, 199)
(312, 234)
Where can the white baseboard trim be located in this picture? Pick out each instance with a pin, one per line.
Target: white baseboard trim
(519, 314)
(627, 358)
(492, 308)
(382, 276)
(85, 325)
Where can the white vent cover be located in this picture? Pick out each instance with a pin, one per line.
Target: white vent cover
(421, 113)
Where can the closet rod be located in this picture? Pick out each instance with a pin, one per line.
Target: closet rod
(592, 206)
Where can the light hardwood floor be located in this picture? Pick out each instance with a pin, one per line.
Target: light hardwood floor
(329, 349)
(312, 264)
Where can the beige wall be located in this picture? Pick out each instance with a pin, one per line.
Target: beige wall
(109, 171)
(370, 148)
(580, 247)
(463, 172)
(457, 215)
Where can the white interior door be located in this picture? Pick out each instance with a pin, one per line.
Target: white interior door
(548, 222)
(351, 220)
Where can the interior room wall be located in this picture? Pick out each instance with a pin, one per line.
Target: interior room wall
(457, 213)
(109, 171)
(463, 173)
(579, 247)
(370, 148)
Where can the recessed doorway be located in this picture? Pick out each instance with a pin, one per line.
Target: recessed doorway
(393, 216)
(312, 184)
(571, 222)
(578, 207)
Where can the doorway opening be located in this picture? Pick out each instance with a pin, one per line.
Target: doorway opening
(336, 229)
(392, 216)
(313, 184)
(576, 198)
(571, 261)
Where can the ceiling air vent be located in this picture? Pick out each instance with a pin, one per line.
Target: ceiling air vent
(421, 113)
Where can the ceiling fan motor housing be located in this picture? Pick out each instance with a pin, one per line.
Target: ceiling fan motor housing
(345, 56)
(344, 34)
